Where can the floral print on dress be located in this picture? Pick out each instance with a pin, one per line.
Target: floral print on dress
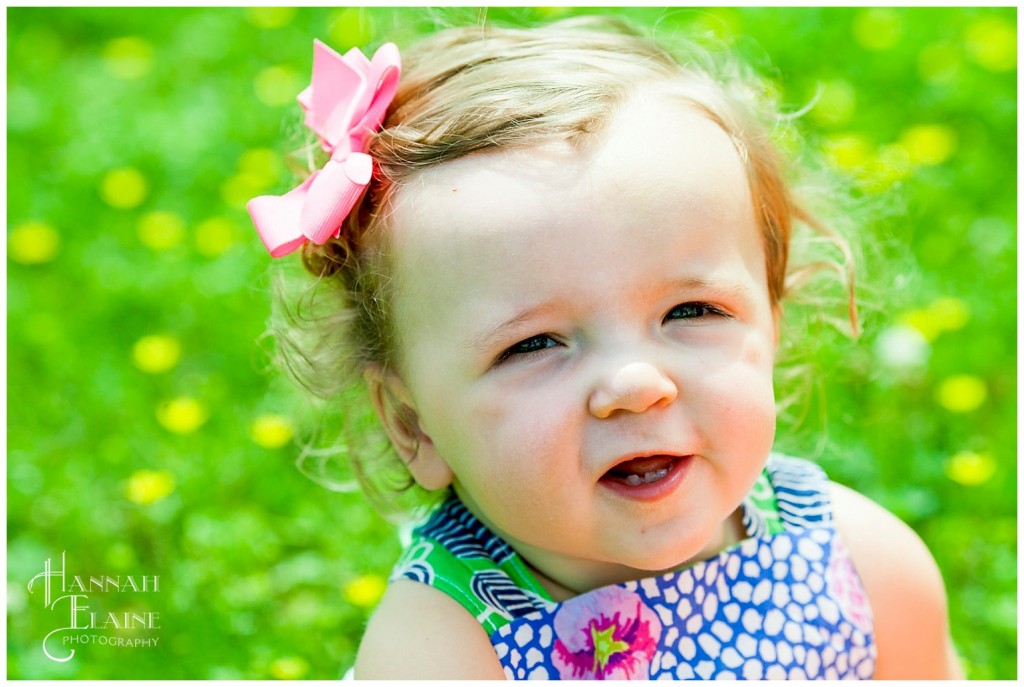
(609, 634)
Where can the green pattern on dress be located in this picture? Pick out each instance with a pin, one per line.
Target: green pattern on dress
(761, 503)
(455, 575)
(469, 577)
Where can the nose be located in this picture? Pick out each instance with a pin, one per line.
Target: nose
(634, 388)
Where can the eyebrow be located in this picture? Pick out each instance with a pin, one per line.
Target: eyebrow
(485, 340)
(726, 286)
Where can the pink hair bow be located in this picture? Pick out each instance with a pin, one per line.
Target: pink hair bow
(344, 104)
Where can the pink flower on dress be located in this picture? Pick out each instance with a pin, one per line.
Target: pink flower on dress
(845, 587)
(607, 634)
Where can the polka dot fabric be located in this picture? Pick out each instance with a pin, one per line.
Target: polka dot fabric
(766, 610)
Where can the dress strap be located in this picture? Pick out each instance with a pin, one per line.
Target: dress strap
(801, 492)
(760, 509)
(455, 553)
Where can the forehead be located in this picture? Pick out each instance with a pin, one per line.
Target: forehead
(655, 142)
(659, 170)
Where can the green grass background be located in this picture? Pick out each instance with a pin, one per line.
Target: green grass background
(146, 435)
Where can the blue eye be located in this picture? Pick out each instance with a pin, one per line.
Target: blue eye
(692, 311)
(527, 346)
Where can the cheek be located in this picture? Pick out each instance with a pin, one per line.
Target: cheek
(758, 350)
(744, 391)
(522, 432)
(523, 421)
(744, 428)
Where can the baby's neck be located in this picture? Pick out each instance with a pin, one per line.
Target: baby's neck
(566, 584)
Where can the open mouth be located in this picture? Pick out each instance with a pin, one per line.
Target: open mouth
(642, 471)
(647, 478)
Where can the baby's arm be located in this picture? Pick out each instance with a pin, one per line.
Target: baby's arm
(418, 632)
(904, 587)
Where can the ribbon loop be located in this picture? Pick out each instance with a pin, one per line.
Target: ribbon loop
(345, 104)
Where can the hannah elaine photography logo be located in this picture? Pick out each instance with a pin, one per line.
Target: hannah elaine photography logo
(73, 601)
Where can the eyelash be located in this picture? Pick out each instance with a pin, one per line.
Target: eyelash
(525, 348)
(529, 346)
(706, 310)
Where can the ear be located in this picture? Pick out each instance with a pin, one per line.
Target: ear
(397, 412)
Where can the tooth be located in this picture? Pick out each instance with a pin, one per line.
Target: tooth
(648, 478)
(655, 475)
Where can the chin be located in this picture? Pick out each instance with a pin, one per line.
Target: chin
(648, 564)
(678, 549)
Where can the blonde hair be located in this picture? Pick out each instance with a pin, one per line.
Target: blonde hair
(472, 89)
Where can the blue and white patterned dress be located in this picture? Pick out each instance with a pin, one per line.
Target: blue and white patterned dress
(784, 603)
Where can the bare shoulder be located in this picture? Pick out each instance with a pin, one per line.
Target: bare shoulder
(904, 586)
(418, 632)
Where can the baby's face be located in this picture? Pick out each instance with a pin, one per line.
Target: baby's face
(588, 340)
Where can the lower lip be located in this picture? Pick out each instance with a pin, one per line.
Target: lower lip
(655, 490)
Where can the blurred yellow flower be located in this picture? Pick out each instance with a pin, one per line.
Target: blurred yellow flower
(892, 164)
(365, 591)
(258, 170)
(922, 321)
(949, 313)
(849, 151)
(877, 28)
(943, 314)
(156, 353)
(161, 230)
(992, 43)
(928, 144)
(215, 235)
(970, 468)
(124, 188)
(271, 431)
(277, 86)
(349, 27)
(270, 17)
(33, 243)
(182, 415)
(961, 393)
(128, 58)
(289, 668)
(149, 486)
(257, 159)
